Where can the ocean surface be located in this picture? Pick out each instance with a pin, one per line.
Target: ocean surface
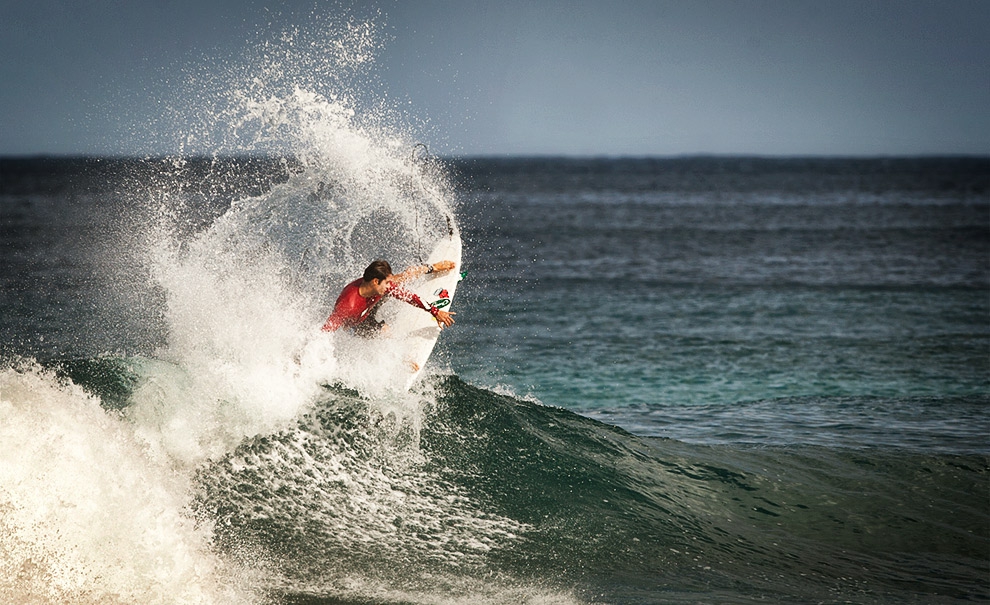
(685, 380)
(681, 380)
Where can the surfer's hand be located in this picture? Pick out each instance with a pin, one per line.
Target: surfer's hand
(444, 265)
(445, 319)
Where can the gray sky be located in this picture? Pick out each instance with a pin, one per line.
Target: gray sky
(823, 77)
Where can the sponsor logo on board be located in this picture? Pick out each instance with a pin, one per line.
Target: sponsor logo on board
(443, 298)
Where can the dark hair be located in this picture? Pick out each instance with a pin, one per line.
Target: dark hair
(380, 269)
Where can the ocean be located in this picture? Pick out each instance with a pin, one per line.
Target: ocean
(671, 380)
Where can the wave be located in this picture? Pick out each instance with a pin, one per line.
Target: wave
(457, 490)
(487, 484)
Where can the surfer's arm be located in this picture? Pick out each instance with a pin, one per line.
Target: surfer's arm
(417, 270)
(397, 291)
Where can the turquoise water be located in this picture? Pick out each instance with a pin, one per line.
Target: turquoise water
(722, 286)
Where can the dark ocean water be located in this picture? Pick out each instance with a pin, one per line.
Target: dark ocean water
(696, 380)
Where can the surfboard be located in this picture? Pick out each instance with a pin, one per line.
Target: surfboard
(413, 332)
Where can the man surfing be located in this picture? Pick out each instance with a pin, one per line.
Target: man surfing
(357, 300)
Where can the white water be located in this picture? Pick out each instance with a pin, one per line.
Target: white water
(86, 516)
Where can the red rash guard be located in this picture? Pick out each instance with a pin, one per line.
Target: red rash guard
(351, 308)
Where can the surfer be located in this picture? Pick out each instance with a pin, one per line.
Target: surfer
(356, 302)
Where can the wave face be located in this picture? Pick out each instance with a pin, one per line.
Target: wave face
(490, 486)
(460, 493)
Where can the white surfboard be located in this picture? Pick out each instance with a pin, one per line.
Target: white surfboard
(412, 331)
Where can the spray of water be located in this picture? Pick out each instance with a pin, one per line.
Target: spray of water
(244, 296)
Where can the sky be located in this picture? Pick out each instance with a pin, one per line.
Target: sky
(532, 77)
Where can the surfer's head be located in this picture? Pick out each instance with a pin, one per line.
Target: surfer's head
(376, 277)
(380, 269)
